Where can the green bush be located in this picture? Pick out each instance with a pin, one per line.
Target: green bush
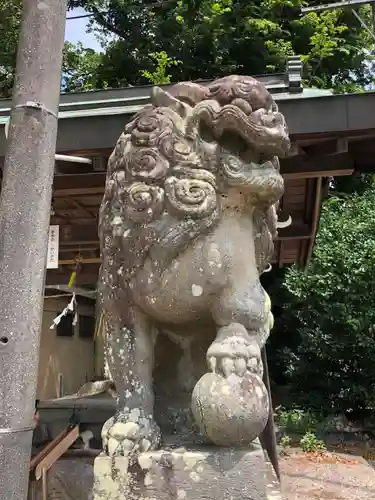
(295, 420)
(327, 325)
(310, 443)
(285, 444)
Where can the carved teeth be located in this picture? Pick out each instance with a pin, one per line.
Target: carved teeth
(212, 364)
(240, 365)
(227, 366)
(253, 364)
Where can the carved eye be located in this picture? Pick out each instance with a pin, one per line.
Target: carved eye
(233, 143)
(206, 133)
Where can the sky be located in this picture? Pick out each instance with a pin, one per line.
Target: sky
(75, 31)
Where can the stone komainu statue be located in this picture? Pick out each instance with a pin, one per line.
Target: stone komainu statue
(186, 228)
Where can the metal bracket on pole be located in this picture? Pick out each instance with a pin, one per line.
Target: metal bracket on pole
(15, 431)
(73, 159)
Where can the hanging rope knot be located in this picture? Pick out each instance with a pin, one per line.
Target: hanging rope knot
(70, 308)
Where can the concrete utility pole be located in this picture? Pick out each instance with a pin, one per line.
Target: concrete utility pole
(25, 203)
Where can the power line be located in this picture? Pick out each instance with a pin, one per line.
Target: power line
(82, 16)
(347, 4)
(331, 6)
(148, 6)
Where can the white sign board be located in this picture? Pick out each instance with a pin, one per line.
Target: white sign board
(53, 248)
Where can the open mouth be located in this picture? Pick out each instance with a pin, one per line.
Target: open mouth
(232, 128)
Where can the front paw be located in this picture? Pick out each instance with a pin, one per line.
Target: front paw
(130, 432)
(234, 352)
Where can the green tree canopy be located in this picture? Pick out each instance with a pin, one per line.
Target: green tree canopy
(10, 20)
(328, 320)
(79, 63)
(214, 37)
(145, 40)
(79, 69)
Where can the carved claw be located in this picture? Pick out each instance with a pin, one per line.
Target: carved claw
(128, 433)
(234, 352)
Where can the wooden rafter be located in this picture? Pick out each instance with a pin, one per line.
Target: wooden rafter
(81, 207)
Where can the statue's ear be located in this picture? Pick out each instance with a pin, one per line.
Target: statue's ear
(161, 98)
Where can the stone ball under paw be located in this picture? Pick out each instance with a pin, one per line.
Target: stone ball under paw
(230, 411)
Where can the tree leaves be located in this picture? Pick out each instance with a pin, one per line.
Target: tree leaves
(214, 37)
(10, 20)
(331, 306)
(79, 68)
(210, 37)
(163, 64)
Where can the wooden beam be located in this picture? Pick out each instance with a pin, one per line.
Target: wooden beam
(83, 260)
(313, 136)
(99, 163)
(78, 184)
(327, 147)
(72, 219)
(81, 207)
(294, 232)
(305, 166)
(56, 214)
(86, 275)
(63, 278)
(80, 248)
(71, 235)
(362, 146)
(314, 175)
(78, 191)
(55, 449)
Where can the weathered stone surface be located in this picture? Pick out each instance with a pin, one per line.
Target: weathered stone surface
(186, 228)
(202, 474)
(222, 406)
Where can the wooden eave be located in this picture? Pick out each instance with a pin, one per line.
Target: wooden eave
(92, 120)
(331, 136)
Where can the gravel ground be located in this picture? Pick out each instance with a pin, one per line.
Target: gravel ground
(326, 476)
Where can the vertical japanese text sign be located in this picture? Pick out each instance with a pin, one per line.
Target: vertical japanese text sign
(53, 248)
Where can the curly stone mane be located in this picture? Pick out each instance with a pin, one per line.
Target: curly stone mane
(173, 166)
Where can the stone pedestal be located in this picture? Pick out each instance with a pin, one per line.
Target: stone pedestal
(200, 474)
